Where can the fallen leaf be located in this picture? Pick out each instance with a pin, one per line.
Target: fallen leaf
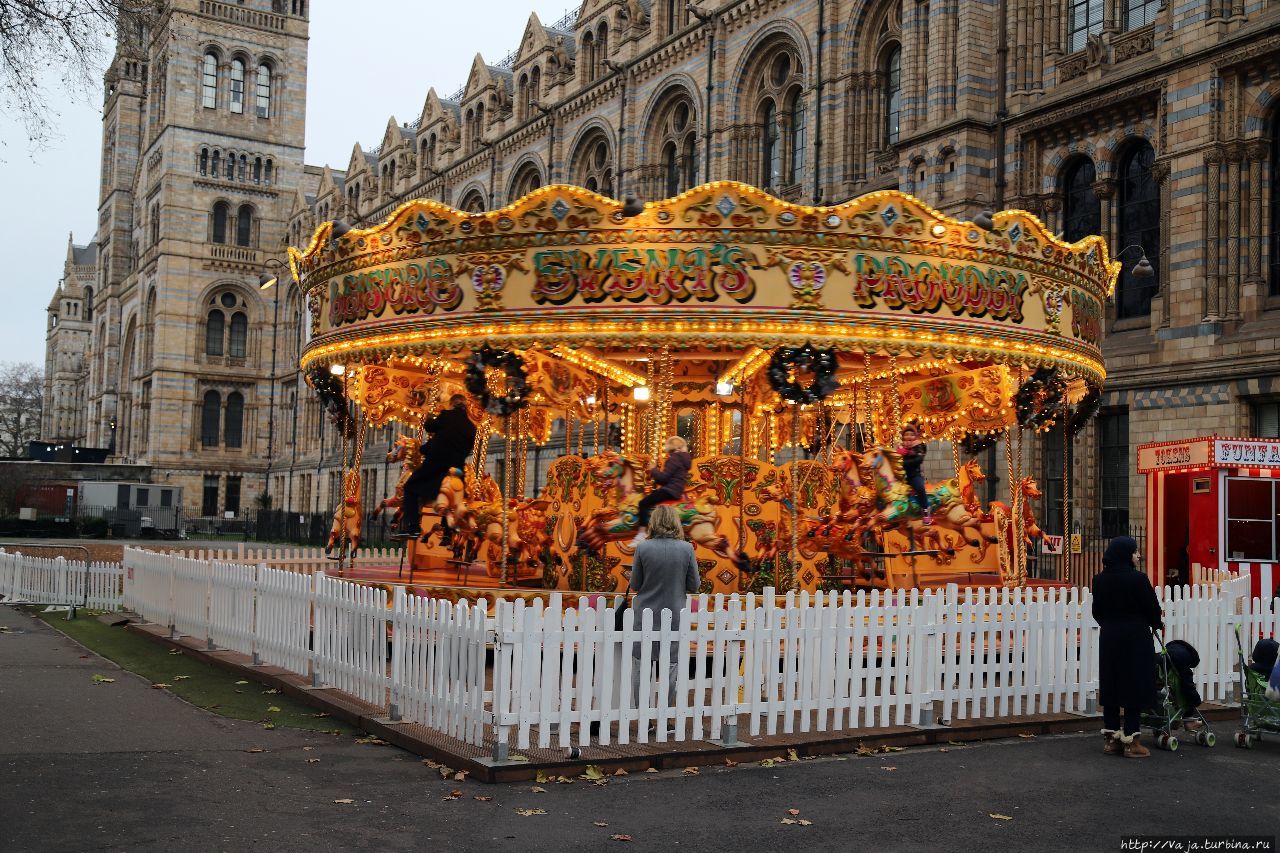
(102, 679)
(272, 709)
(542, 778)
(255, 749)
(600, 782)
(372, 740)
(943, 749)
(1025, 736)
(321, 714)
(788, 820)
(159, 685)
(482, 798)
(956, 742)
(805, 822)
(456, 792)
(793, 812)
(461, 776)
(445, 772)
(651, 770)
(515, 756)
(792, 755)
(313, 761)
(307, 748)
(270, 692)
(181, 677)
(620, 837)
(768, 762)
(432, 764)
(242, 682)
(344, 802)
(453, 795)
(894, 749)
(999, 816)
(888, 768)
(528, 812)
(619, 772)
(729, 762)
(537, 789)
(599, 823)
(174, 652)
(592, 772)
(690, 771)
(268, 725)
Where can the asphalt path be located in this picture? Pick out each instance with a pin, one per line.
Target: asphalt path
(86, 765)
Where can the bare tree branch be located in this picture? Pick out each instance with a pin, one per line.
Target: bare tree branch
(21, 400)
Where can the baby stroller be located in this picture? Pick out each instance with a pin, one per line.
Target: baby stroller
(1179, 701)
(1258, 713)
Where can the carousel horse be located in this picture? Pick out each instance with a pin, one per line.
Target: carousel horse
(883, 468)
(406, 450)
(839, 534)
(526, 535)
(624, 477)
(348, 517)
(1026, 491)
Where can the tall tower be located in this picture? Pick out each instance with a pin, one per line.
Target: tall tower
(202, 146)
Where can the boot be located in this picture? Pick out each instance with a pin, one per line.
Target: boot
(1111, 742)
(1133, 747)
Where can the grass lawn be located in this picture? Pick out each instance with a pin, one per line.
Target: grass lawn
(199, 683)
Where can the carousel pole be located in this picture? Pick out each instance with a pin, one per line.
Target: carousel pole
(506, 491)
(1066, 492)
(795, 498)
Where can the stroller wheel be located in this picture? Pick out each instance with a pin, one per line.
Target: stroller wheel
(1168, 742)
(1206, 738)
(1243, 740)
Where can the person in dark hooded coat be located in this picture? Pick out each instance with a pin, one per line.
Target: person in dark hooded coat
(1125, 605)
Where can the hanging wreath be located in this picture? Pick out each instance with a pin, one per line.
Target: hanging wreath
(787, 361)
(333, 399)
(477, 380)
(1039, 400)
(1084, 411)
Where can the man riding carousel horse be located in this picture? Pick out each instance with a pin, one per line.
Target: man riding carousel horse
(452, 438)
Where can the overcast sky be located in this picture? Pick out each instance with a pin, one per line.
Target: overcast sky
(413, 46)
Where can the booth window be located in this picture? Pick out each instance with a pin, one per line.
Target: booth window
(209, 499)
(232, 504)
(1251, 519)
(1266, 420)
(1113, 456)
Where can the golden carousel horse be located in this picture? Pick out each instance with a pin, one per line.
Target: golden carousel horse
(407, 450)
(348, 517)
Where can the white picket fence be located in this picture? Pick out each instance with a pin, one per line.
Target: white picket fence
(294, 559)
(755, 665)
(56, 580)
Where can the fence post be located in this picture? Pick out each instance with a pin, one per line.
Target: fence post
(173, 591)
(501, 749)
(315, 629)
(208, 606)
(253, 630)
(397, 641)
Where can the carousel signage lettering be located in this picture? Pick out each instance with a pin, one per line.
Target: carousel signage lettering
(404, 289)
(657, 274)
(1257, 453)
(924, 287)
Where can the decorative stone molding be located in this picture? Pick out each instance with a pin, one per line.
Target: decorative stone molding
(1133, 44)
(1073, 66)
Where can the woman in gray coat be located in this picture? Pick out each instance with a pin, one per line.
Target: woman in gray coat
(663, 573)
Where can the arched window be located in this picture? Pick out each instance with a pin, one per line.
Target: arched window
(233, 432)
(231, 166)
(244, 168)
(237, 345)
(267, 175)
(892, 95)
(674, 7)
(798, 121)
(473, 202)
(237, 85)
(1275, 206)
(535, 83)
(214, 331)
(264, 91)
(588, 53)
(209, 81)
(673, 137)
(257, 170)
(216, 163)
(210, 415)
(770, 153)
(244, 226)
(221, 210)
(593, 164)
(88, 303)
(527, 180)
(1139, 224)
(1081, 212)
(204, 161)
(602, 47)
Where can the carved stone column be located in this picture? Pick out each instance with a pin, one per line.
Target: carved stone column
(1258, 152)
(1235, 155)
(1052, 213)
(1105, 190)
(1213, 275)
(1160, 174)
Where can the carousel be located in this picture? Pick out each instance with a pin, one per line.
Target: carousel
(789, 346)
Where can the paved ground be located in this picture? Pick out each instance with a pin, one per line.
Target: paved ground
(97, 766)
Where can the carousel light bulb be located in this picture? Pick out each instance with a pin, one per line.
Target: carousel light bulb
(337, 368)
(724, 389)
(640, 393)
(939, 230)
(591, 399)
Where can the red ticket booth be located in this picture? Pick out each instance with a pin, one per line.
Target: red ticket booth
(1213, 503)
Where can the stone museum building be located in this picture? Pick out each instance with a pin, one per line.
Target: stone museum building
(1155, 124)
